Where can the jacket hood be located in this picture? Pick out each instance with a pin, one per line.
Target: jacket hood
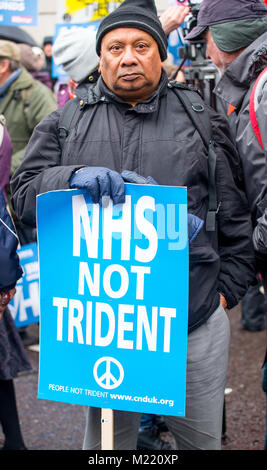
(238, 77)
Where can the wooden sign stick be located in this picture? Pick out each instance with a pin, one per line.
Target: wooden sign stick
(107, 429)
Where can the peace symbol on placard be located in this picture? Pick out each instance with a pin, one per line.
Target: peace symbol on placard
(108, 380)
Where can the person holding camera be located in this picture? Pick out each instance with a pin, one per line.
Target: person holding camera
(236, 42)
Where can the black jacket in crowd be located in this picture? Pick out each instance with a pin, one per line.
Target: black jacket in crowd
(10, 269)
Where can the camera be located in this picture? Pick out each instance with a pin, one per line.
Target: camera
(200, 72)
(194, 10)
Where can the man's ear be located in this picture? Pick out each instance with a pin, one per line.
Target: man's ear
(4, 65)
(99, 65)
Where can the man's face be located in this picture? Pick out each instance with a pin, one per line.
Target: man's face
(221, 59)
(48, 49)
(4, 71)
(130, 64)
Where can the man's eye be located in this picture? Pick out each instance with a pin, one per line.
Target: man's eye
(115, 48)
(141, 46)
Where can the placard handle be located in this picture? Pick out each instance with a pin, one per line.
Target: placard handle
(107, 429)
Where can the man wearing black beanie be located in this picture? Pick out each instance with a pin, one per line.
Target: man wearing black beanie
(133, 127)
(141, 14)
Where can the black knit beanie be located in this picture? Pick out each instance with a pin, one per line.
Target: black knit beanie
(140, 14)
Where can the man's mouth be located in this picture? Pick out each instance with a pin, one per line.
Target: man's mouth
(130, 76)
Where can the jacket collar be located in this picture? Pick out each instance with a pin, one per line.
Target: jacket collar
(8, 83)
(25, 80)
(237, 79)
(101, 93)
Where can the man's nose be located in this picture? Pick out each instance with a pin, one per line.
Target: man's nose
(129, 56)
(206, 51)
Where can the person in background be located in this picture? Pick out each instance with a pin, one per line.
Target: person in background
(74, 50)
(47, 49)
(13, 358)
(39, 53)
(5, 156)
(236, 39)
(260, 245)
(173, 17)
(32, 58)
(24, 103)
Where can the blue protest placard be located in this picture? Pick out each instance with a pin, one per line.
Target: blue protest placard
(114, 299)
(19, 13)
(24, 306)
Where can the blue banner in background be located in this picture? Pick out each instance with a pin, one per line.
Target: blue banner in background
(19, 13)
(114, 299)
(24, 307)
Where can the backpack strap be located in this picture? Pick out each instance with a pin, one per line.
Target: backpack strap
(26, 94)
(69, 117)
(254, 102)
(195, 108)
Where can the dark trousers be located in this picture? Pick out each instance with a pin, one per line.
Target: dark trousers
(254, 303)
(264, 388)
(9, 417)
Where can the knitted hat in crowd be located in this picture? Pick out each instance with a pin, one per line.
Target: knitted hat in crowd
(74, 49)
(29, 60)
(47, 40)
(9, 50)
(140, 14)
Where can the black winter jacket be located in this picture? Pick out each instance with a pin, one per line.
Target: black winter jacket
(235, 88)
(155, 138)
(10, 269)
